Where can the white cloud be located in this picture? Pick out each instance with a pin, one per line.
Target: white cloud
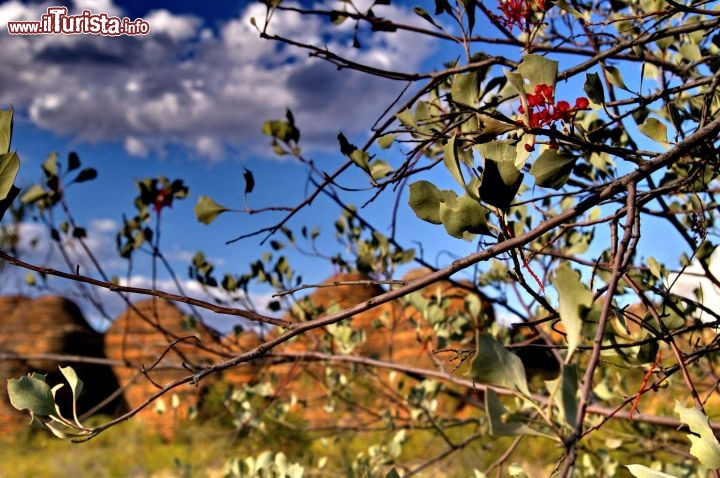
(207, 91)
(693, 279)
(176, 27)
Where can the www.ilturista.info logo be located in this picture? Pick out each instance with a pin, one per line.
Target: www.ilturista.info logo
(57, 22)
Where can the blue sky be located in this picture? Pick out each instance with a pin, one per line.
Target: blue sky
(188, 101)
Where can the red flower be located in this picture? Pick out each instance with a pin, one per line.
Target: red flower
(581, 103)
(519, 13)
(543, 109)
(164, 198)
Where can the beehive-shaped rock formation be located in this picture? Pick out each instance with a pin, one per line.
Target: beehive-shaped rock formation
(158, 345)
(36, 330)
(394, 332)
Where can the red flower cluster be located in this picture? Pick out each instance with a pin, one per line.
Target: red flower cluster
(519, 12)
(164, 198)
(544, 110)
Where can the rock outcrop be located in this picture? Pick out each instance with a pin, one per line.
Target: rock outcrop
(153, 344)
(34, 330)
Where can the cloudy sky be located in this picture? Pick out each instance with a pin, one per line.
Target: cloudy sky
(188, 101)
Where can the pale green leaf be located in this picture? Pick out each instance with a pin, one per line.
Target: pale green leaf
(568, 8)
(406, 118)
(552, 169)
(690, 52)
(361, 159)
(466, 89)
(31, 393)
(484, 129)
(6, 125)
(656, 268)
(642, 471)
(9, 167)
(574, 298)
(538, 70)
(705, 446)
(59, 430)
(206, 210)
(615, 77)
(516, 80)
(76, 385)
(49, 166)
(452, 161)
(654, 129)
(502, 422)
(422, 13)
(566, 385)
(499, 151)
(463, 216)
(425, 199)
(386, 140)
(33, 194)
(380, 169)
(494, 364)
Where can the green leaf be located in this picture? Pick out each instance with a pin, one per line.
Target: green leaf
(6, 127)
(442, 6)
(642, 471)
(500, 182)
(249, 180)
(406, 118)
(615, 77)
(33, 194)
(284, 131)
(452, 161)
(654, 129)
(516, 80)
(422, 13)
(87, 174)
(425, 199)
(9, 167)
(470, 12)
(76, 385)
(73, 161)
(705, 446)
(574, 298)
(49, 166)
(386, 140)
(8, 200)
(568, 8)
(502, 422)
(463, 216)
(552, 169)
(567, 385)
(489, 128)
(31, 393)
(499, 151)
(594, 88)
(466, 89)
(495, 365)
(380, 169)
(206, 210)
(361, 159)
(538, 70)
(690, 52)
